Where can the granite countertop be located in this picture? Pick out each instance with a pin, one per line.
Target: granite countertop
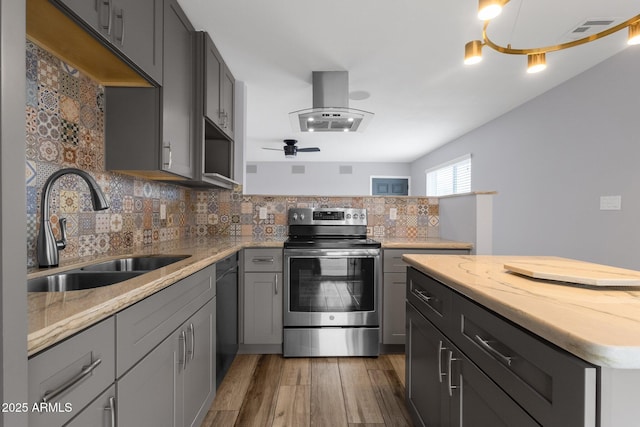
(598, 324)
(54, 316)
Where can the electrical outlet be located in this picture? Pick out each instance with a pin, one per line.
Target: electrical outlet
(610, 203)
(263, 213)
(163, 211)
(393, 213)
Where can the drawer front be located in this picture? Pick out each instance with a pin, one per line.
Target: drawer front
(263, 259)
(555, 387)
(145, 324)
(71, 374)
(432, 299)
(392, 258)
(100, 413)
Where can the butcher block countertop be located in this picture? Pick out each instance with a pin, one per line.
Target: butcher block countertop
(54, 316)
(600, 324)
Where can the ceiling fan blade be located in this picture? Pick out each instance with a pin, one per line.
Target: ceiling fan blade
(274, 149)
(308, 150)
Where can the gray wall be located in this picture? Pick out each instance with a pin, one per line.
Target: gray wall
(552, 158)
(319, 179)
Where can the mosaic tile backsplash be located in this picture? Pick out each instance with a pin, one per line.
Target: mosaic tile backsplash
(65, 128)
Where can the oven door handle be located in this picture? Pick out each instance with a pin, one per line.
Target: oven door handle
(347, 253)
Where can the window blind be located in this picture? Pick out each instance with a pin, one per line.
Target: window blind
(452, 177)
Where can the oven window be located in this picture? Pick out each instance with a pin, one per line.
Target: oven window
(331, 284)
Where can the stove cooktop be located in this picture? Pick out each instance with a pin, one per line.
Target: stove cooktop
(332, 243)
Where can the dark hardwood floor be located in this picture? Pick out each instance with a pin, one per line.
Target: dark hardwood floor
(269, 390)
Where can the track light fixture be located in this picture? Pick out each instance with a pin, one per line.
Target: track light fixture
(536, 57)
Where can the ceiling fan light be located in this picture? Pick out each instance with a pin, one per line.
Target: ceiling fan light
(489, 9)
(634, 34)
(473, 52)
(536, 62)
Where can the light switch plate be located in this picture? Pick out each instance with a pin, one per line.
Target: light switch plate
(610, 203)
(263, 213)
(393, 213)
(163, 211)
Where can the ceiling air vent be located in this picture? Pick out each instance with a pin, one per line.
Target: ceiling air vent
(590, 26)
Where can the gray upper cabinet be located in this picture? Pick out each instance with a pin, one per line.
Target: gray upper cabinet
(132, 28)
(219, 89)
(150, 131)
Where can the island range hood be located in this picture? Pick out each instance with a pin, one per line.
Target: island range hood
(330, 112)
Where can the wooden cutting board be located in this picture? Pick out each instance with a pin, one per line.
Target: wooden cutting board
(579, 272)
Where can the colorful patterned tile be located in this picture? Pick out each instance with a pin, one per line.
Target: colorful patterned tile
(69, 109)
(48, 125)
(69, 132)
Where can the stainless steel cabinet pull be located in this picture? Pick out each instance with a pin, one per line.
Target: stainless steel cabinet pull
(450, 386)
(183, 340)
(192, 332)
(167, 145)
(422, 295)
(84, 373)
(107, 26)
(440, 373)
(501, 357)
(120, 15)
(263, 260)
(276, 284)
(112, 409)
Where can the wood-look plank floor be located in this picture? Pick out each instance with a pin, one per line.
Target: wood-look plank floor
(269, 390)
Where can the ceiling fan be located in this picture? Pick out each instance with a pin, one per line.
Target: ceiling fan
(291, 149)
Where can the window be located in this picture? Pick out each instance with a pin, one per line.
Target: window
(452, 177)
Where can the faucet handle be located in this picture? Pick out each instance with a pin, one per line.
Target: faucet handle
(62, 243)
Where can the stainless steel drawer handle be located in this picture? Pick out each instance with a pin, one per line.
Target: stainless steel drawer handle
(183, 340)
(192, 351)
(450, 386)
(264, 260)
(501, 357)
(84, 373)
(440, 373)
(422, 295)
(276, 280)
(112, 409)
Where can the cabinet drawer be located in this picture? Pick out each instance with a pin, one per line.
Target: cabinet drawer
(72, 373)
(555, 387)
(263, 259)
(100, 413)
(430, 297)
(145, 324)
(392, 258)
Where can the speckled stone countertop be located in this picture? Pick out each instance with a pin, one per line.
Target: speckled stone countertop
(54, 316)
(598, 324)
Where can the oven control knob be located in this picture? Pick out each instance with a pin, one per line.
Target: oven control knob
(295, 216)
(332, 317)
(348, 216)
(301, 216)
(361, 216)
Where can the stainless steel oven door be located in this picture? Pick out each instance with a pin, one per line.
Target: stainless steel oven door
(333, 288)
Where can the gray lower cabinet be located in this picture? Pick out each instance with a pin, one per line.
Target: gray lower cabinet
(394, 279)
(69, 376)
(444, 388)
(263, 296)
(166, 355)
(467, 366)
(175, 383)
(130, 27)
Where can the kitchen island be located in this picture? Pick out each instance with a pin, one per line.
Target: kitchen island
(598, 325)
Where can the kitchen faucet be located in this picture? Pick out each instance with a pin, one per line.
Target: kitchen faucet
(47, 245)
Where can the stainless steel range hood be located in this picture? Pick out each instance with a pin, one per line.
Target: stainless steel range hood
(330, 112)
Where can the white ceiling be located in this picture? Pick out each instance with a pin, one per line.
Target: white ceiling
(407, 54)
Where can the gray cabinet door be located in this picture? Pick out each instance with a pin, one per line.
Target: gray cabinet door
(213, 65)
(137, 32)
(148, 394)
(227, 101)
(99, 413)
(393, 308)
(199, 375)
(178, 92)
(424, 382)
(263, 308)
(94, 14)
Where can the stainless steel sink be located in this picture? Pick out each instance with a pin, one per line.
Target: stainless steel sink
(101, 274)
(142, 263)
(78, 280)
